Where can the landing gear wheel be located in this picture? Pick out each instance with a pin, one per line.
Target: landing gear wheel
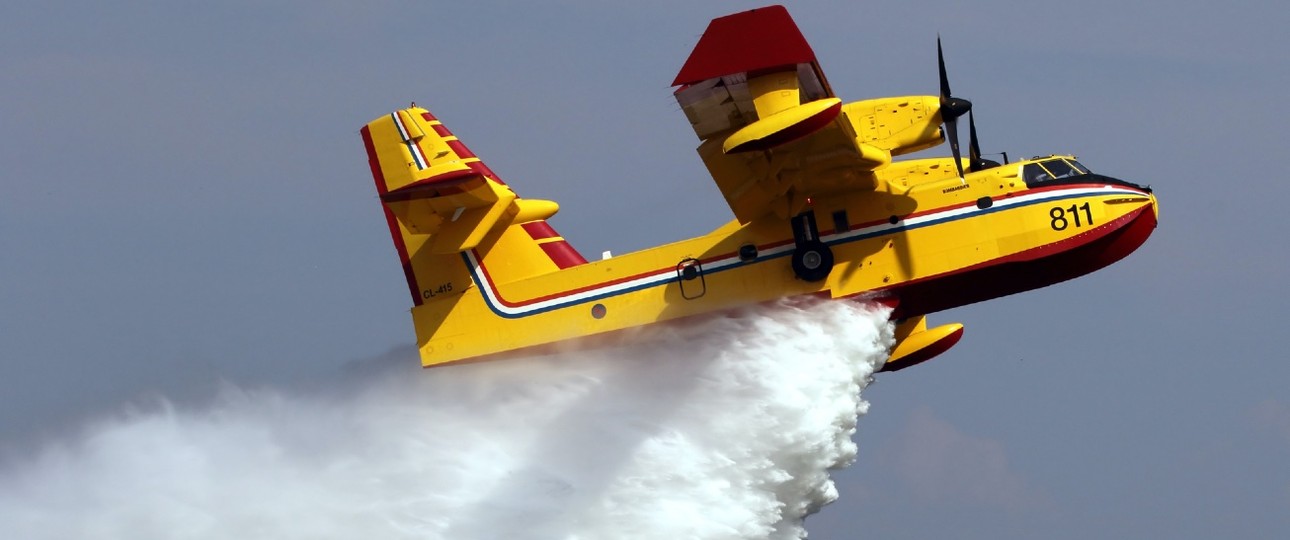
(812, 261)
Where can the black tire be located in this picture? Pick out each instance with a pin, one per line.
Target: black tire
(812, 261)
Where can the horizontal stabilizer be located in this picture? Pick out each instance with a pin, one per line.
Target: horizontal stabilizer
(433, 185)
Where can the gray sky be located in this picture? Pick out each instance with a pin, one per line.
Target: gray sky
(186, 200)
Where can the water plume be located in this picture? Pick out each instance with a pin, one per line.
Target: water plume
(724, 427)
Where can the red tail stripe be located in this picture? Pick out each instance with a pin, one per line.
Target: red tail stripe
(539, 230)
(390, 220)
(461, 150)
(482, 169)
(562, 254)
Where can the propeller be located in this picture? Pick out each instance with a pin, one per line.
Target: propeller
(951, 109)
(975, 161)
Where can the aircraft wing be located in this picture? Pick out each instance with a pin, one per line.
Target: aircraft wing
(774, 135)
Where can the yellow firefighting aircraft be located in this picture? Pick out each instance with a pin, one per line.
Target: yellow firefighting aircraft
(820, 209)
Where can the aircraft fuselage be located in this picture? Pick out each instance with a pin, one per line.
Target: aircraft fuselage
(931, 245)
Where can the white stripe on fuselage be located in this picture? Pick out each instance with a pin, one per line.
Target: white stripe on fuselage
(666, 275)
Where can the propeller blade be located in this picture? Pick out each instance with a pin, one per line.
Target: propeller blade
(951, 108)
(974, 149)
(952, 133)
(975, 161)
(940, 62)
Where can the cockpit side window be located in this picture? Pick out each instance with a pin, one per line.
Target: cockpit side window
(1060, 168)
(1052, 169)
(1033, 173)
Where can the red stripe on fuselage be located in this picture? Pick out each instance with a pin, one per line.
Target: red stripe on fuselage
(496, 293)
(1026, 270)
(762, 248)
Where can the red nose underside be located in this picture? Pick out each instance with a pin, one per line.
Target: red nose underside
(1027, 270)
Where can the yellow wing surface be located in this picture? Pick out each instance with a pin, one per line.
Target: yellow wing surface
(774, 135)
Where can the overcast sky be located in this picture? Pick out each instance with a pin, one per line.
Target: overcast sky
(186, 200)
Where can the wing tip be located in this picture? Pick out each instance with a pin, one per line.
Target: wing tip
(752, 40)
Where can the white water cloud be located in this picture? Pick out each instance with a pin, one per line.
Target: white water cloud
(724, 428)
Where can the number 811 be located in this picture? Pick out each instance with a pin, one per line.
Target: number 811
(1060, 222)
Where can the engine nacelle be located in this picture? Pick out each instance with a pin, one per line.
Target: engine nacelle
(899, 125)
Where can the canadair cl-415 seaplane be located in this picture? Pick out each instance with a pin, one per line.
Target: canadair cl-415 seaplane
(820, 209)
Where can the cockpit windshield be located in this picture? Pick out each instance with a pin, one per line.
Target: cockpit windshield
(1052, 169)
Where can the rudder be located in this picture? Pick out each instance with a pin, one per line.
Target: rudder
(445, 207)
